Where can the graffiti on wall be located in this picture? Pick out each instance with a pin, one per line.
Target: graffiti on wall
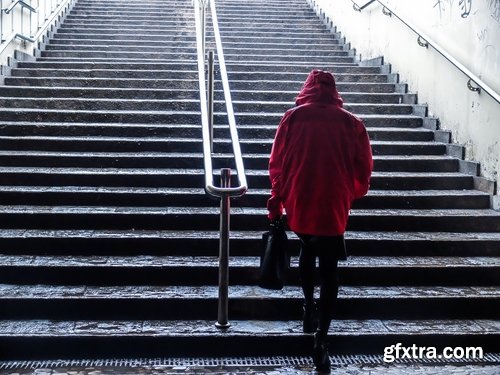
(465, 6)
(494, 6)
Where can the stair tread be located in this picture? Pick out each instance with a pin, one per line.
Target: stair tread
(267, 328)
(151, 261)
(191, 126)
(194, 171)
(151, 90)
(255, 235)
(361, 116)
(94, 111)
(188, 139)
(201, 191)
(103, 171)
(155, 154)
(97, 70)
(68, 100)
(235, 211)
(379, 235)
(55, 292)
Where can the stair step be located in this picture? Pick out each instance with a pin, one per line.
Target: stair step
(357, 108)
(306, 33)
(297, 57)
(120, 35)
(172, 270)
(295, 69)
(184, 48)
(370, 120)
(103, 82)
(160, 338)
(299, 10)
(183, 117)
(131, 59)
(164, 8)
(101, 93)
(139, 20)
(112, 26)
(195, 160)
(109, 105)
(163, 177)
(246, 302)
(60, 43)
(179, 104)
(247, 243)
(130, 17)
(159, 93)
(349, 97)
(167, 13)
(187, 197)
(296, 49)
(124, 54)
(365, 77)
(248, 37)
(207, 218)
(266, 132)
(60, 115)
(164, 144)
(179, 117)
(295, 86)
(177, 65)
(105, 32)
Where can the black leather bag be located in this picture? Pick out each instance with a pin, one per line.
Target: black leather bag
(274, 259)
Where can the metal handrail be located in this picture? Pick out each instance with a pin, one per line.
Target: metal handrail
(240, 169)
(225, 191)
(40, 31)
(23, 4)
(360, 8)
(210, 188)
(424, 41)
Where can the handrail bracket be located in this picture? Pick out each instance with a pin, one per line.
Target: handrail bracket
(422, 42)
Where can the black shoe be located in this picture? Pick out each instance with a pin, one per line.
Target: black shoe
(321, 358)
(310, 324)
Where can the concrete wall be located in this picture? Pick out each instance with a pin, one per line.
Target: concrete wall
(469, 30)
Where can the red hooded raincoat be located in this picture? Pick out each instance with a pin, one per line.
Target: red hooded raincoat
(321, 161)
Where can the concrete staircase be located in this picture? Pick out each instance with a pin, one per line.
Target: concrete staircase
(109, 245)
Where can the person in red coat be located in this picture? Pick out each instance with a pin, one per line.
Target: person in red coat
(321, 161)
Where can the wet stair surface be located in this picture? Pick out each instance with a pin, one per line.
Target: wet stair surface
(109, 244)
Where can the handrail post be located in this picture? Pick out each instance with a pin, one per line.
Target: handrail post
(210, 96)
(222, 315)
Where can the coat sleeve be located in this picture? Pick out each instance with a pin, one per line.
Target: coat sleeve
(363, 161)
(275, 203)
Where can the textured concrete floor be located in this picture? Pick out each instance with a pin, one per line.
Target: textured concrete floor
(271, 370)
(345, 365)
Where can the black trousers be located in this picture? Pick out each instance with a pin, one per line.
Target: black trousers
(328, 250)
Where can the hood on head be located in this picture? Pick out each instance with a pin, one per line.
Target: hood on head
(319, 87)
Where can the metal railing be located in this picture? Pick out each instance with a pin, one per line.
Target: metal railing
(16, 23)
(424, 41)
(225, 191)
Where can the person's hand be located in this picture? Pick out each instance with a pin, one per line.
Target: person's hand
(276, 222)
